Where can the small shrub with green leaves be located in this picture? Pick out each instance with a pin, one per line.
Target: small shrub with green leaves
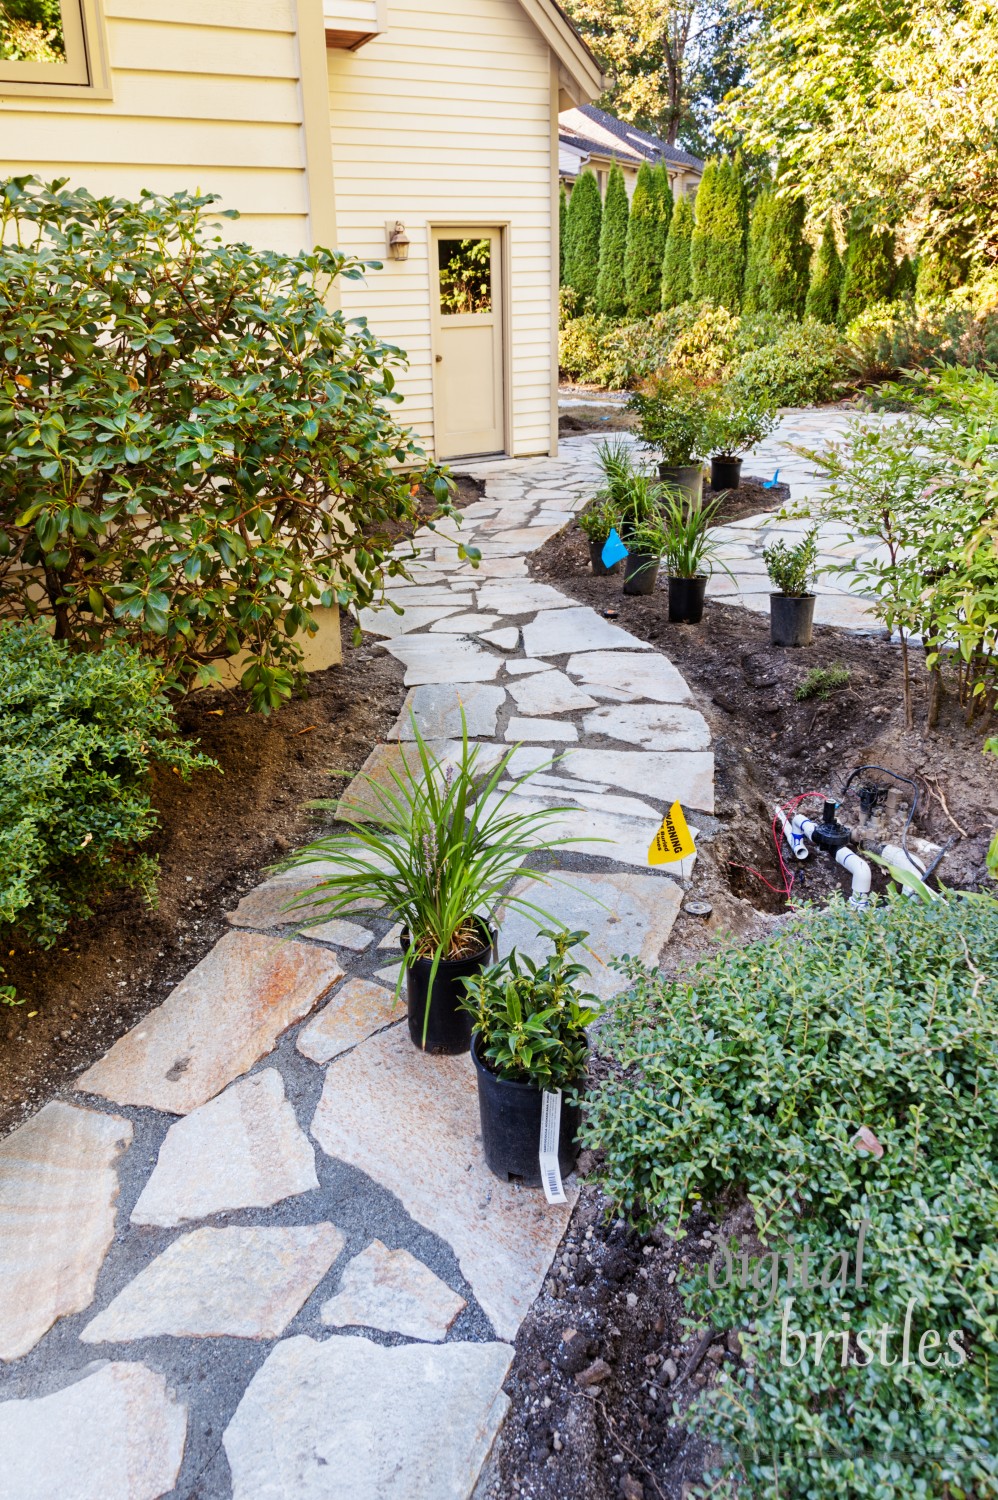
(531, 1019)
(991, 748)
(675, 417)
(803, 366)
(597, 520)
(739, 423)
(821, 683)
(705, 349)
(837, 1079)
(79, 734)
(191, 440)
(791, 568)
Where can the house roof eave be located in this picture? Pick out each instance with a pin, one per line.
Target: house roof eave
(581, 75)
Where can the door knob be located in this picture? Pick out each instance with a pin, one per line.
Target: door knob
(440, 359)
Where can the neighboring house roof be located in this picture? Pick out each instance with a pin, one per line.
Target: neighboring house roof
(579, 65)
(603, 134)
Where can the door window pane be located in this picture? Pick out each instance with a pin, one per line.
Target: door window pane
(465, 275)
(32, 31)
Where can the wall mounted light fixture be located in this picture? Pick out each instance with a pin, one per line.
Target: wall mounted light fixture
(398, 241)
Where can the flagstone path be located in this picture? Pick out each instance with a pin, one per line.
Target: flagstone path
(265, 1158)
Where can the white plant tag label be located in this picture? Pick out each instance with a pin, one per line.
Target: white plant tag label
(550, 1135)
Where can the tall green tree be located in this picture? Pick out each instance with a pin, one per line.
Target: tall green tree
(756, 297)
(726, 250)
(677, 267)
(585, 221)
(645, 252)
(869, 272)
(562, 232)
(789, 254)
(611, 296)
(666, 204)
(647, 46)
(826, 281)
(701, 250)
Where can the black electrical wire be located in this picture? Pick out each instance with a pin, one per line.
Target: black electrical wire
(886, 771)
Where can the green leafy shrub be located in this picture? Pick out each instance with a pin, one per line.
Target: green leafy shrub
(582, 346)
(791, 569)
(531, 1018)
(618, 356)
(840, 1079)
(675, 416)
(79, 732)
(800, 368)
(991, 748)
(191, 440)
(705, 349)
(892, 337)
(737, 425)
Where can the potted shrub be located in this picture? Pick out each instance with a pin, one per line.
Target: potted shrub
(437, 848)
(675, 417)
(690, 552)
(791, 572)
(736, 426)
(596, 522)
(529, 1039)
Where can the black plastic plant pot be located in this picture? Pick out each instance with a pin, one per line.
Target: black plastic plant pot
(448, 1032)
(686, 597)
(511, 1127)
(685, 477)
(640, 573)
(791, 619)
(600, 569)
(725, 472)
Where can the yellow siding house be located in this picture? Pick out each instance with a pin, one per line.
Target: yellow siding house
(422, 133)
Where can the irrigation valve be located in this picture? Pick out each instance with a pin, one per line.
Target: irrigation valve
(830, 835)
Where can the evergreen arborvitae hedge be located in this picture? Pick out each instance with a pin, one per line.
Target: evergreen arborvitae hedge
(677, 269)
(757, 278)
(904, 278)
(725, 273)
(703, 232)
(869, 272)
(789, 256)
(643, 265)
(826, 282)
(562, 232)
(666, 205)
(611, 297)
(585, 219)
(941, 269)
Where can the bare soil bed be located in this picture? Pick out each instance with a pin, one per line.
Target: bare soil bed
(216, 835)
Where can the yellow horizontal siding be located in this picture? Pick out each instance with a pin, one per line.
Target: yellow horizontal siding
(205, 96)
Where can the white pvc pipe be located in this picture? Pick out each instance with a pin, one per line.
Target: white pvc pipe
(894, 855)
(798, 848)
(862, 875)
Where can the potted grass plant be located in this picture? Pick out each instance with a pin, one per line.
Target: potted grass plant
(675, 417)
(736, 425)
(436, 847)
(690, 550)
(529, 1039)
(647, 540)
(792, 572)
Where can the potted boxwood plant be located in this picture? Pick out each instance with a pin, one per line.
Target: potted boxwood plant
(690, 552)
(791, 572)
(437, 848)
(596, 522)
(675, 416)
(736, 425)
(529, 1039)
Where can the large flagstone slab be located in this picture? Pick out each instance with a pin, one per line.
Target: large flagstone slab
(411, 1123)
(443, 658)
(244, 1149)
(283, 900)
(357, 1010)
(118, 1434)
(549, 693)
(623, 915)
(563, 632)
(437, 710)
(386, 623)
(524, 598)
(655, 726)
(589, 830)
(634, 674)
(685, 776)
(393, 1291)
(221, 1283)
(540, 731)
(218, 1022)
(58, 1190)
(346, 1419)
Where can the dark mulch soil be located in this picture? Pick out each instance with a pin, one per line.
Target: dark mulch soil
(216, 835)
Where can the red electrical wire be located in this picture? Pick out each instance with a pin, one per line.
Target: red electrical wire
(788, 878)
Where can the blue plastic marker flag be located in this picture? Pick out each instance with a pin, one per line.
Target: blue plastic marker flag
(770, 484)
(614, 550)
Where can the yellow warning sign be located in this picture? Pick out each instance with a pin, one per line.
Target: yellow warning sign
(673, 840)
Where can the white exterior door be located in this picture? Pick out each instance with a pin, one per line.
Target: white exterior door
(466, 288)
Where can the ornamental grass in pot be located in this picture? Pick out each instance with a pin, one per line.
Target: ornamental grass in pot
(675, 417)
(690, 551)
(436, 847)
(736, 426)
(530, 1039)
(791, 607)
